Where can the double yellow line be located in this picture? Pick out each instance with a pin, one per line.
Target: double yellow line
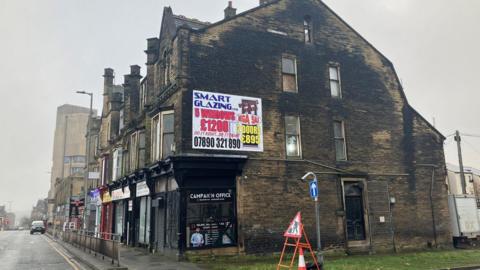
(73, 264)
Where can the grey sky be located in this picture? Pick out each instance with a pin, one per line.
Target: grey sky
(49, 49)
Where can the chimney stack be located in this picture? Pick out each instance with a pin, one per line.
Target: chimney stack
(230, 11)
(263, 2)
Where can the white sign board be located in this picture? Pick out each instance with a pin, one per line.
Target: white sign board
(142, 189)
(93, 175)
(118, 194)
(226, 122)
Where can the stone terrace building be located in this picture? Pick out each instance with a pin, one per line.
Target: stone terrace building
(230, 115)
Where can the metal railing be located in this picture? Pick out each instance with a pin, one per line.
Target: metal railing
(107, 245)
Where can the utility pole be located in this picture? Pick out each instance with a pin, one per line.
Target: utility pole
(87, 150)
(460, 162)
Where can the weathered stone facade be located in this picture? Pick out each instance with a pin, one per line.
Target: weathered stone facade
(394, 155)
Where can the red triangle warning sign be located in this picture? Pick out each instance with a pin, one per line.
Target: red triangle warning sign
(295, 228)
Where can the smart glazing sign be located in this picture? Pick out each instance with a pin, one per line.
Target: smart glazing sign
(226, 122)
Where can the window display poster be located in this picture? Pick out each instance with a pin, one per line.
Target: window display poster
(226, 122)
(211, 234)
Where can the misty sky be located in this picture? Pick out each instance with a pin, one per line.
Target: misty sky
(51, 48)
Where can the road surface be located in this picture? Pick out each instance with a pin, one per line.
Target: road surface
(21, 251)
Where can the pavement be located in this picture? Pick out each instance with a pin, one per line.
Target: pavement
(21, 251)
(130, 258)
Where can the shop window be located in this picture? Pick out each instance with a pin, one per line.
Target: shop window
(292, 136)
(334, 78)
(340, 144)
(211, 219)
(289, 74)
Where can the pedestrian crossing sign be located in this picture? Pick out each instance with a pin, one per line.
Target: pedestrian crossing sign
(295, 228)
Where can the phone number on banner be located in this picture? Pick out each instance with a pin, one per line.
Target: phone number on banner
(216, 143)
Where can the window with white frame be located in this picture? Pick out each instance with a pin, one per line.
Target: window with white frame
(340, 143)
(121, 121)
(166, 76)
(167, 133)
(334, 78)
(133, 151)
(292, 136)
(162, 135)
(143, 96)
(155, 137)
(141, 149)
(307, 29)
(105, 168)
(117, 164)
(289, 74)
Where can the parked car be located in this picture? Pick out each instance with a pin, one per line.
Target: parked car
(37, 226)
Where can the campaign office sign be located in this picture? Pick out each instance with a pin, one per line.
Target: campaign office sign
(216, 195)
(226, 122)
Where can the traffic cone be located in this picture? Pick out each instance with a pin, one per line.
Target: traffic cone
(301, 261)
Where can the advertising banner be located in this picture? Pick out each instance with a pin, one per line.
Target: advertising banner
(226, 122)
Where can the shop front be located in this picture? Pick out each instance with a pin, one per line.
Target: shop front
(106, 222)
(143, 203)
(211, 218)
(207, 201)
(120, 197)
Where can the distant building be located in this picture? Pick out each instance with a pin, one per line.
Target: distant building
(39, 211)
(68, 158)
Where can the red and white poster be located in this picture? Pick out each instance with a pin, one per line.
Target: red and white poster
(226, 122)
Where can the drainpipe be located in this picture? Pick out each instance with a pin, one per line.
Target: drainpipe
(432, 209)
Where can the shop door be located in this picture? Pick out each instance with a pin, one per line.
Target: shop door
(354, 209)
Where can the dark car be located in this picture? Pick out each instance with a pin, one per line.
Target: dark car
(37, 226)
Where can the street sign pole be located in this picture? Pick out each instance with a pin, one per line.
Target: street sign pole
(313, 185)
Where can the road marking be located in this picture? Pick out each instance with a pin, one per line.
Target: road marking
(74, 266)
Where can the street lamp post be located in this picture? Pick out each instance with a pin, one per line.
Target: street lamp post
(87, 139)
(307, 176)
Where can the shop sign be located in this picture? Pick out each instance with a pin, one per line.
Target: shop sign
(218, 195)
(130, 205)
(119, 194)
(106, 197)
(226, 122)
(142, 189)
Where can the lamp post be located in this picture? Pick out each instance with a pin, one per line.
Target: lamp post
(307, 176)
(87, 139)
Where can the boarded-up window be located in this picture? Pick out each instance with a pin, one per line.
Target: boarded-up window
(289, 74)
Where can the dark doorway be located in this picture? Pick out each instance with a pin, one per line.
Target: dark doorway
(354, 211)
